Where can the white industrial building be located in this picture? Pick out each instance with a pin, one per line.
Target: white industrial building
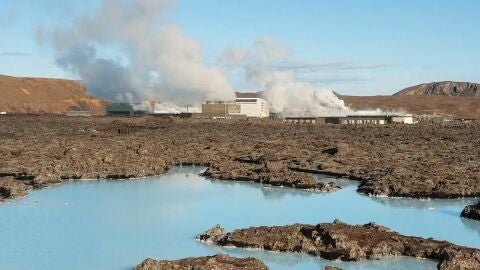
(253, 107)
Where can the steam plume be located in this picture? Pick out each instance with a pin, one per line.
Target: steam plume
(285, 94)
(151, 59)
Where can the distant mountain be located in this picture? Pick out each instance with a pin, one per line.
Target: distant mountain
(464, 89)
(450, 106)
(41, 95)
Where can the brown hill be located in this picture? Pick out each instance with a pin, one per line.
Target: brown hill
(453, 106)
(447, 88)
(41, 95)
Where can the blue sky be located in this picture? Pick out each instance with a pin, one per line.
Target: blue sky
(366, 47)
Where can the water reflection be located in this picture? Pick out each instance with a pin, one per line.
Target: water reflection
(471, 225)
(269, 192)
(429, 204)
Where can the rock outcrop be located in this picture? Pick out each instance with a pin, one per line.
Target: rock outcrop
(471, 211)
(12, 188)
(447, 88)
(337, 240)
(217, 262)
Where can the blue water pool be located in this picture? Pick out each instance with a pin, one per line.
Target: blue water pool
(116, 224)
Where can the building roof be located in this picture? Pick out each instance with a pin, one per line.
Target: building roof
(248, 95)
(367, 116)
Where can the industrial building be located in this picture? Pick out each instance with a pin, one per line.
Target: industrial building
(365, 120)
(128, 109)
(119, 109)
(354, 120)
(313, 120)
(242, 107)
(301, 120)
(220, 109)
(253, 107)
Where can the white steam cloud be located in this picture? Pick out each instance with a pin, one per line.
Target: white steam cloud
(150, 59)
(127, 50)
(285, 94)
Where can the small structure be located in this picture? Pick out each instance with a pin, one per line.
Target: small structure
(119, 109)
(402, 119)
(253, 107)
(79, 113)
(3, 113)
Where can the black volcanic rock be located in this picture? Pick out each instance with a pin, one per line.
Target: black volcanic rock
(417, 161)
(447, 88)
(471, 211)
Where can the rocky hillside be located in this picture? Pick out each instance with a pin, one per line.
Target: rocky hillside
(447, 88)
(449, 106)
(39, 95)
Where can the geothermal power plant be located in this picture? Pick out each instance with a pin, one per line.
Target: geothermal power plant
(254, 107)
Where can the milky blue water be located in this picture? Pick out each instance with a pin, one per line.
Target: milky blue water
(116, 224)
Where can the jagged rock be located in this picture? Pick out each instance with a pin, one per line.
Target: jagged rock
(212, 234)
(11, 188)
(217, 262)
(331, 268)
(345, 242)
(458, 260)
(471, 211)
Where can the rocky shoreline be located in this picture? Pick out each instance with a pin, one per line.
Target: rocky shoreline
(471, 211)
(269, 174)
(403, 161)
(341, 241)
(219, 262)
